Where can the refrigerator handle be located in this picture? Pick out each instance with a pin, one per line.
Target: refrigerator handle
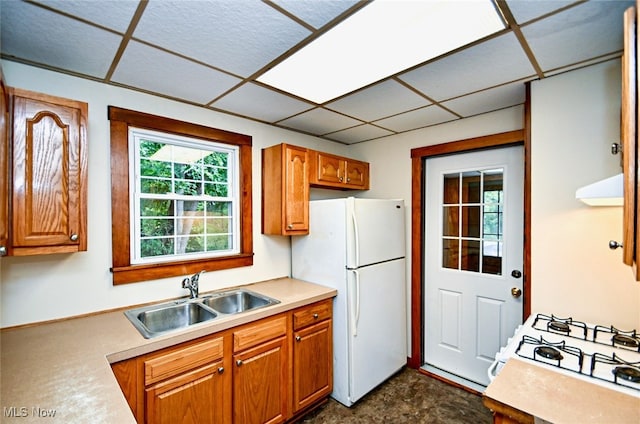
(355, 309)
(355, 240)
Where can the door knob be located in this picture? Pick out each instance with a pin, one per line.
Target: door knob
(516, 273)
(516, 292)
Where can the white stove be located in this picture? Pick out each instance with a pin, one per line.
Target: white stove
(602, 355)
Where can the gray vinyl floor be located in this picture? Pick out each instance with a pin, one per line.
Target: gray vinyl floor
(407, 397)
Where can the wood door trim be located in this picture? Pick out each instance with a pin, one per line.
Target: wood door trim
(418, 157)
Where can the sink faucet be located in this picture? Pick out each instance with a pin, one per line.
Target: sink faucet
(191, 283)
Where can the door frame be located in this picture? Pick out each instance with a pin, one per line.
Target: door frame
(418, 158)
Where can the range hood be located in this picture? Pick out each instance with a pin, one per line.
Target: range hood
(607, 192)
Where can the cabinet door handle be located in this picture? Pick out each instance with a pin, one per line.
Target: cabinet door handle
(238, 362)
(3, 251)
(220, 370)
(315, 316)
(73, 237)
(290, 226)
(298, 338)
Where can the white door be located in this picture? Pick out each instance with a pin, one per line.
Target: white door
(473, 258)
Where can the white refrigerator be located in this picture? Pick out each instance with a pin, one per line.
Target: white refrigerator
(357, 246)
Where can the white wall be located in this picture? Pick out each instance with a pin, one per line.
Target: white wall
(575, 118)
(47, 287)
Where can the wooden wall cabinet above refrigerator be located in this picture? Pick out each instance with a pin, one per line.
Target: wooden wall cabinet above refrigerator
(331, 171)
(48, 174)
(287, 173)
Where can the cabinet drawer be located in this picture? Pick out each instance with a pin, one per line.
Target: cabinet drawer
(311, 314)
(181, 360)
(258, 333)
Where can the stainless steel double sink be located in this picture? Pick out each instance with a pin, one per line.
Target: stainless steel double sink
(155, 320)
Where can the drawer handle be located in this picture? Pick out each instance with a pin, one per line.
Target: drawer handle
(220, 370)
(238, 362)
(315, 316)
(298, 338)
(73, 237)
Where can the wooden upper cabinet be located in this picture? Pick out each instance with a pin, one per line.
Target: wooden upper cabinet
(331, 171)
(49, 150)
(4, 168)
(285, 190)
(629, 136)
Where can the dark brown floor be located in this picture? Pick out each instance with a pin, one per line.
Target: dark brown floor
(407, 397)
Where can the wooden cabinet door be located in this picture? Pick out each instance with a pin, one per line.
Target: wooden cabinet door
(260, 384)
(49, 173)
(357, 174)
(296, 203)
(329, 169)
(312, 364)
(196, 397)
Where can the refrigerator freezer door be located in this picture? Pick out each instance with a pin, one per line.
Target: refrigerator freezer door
(377, 325)
(375, 231)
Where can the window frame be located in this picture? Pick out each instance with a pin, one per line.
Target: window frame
(123, 271)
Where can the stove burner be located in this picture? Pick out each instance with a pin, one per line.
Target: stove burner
(559, 326)
(623, 340)
(627, 373)
(548, 352)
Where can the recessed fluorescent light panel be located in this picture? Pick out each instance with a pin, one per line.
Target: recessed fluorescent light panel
(381, 39)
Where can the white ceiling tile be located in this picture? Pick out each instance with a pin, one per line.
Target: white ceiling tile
(320, 121)
(381, 100)
(526, 10)
(261, 103)
(56, 40)
(488, 100)
(588, 30)
(236, 36)
(485, 65)
(115, 15)
(316, 13)
(139, 68)
(419, 118)
(359, 133)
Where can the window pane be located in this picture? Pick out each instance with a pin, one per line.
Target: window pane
(492, 257)
(189, 208)
(215, 174)
(471, 221)
(156, 247)
(470, 254)
(450, 222)
(217, 190)
(471, 187)
(222, 242)
(154, 168)
(218, 226)
(451, 188)
(156, 227)
(156, 207)
(218, 208)
(195, 244)
(450, 253)
(217, 159)
(493, 184)
(155, 186)
(190, 188)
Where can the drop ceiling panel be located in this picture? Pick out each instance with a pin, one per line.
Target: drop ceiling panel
(316, 13)
(114, 15)
(359, 134)
(202, 85)
(236, 36)
(524, 11)
(320, 121)
(258, 102)
(494, 62)
(588, 30)
(35, 34)
(488, 100)
(381, 100)
(419, 118)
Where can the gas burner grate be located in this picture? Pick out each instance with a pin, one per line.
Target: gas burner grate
(563, 326)
(618, 338)
(615, 370)
(558, 354)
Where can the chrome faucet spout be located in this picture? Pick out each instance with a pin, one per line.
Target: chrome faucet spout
(191, 283)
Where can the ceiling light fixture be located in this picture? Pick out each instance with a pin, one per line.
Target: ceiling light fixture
(382, 39)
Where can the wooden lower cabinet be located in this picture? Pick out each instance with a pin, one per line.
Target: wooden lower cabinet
(194, 397)
(268, 371)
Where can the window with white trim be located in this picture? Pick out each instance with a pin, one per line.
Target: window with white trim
(185, 198)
